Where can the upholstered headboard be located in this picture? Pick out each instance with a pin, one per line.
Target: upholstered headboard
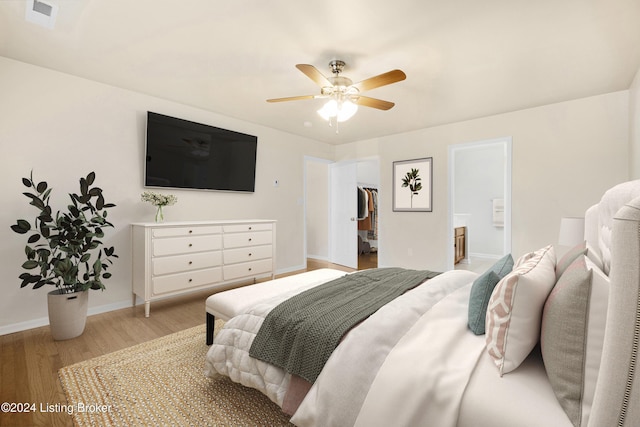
(617, 239)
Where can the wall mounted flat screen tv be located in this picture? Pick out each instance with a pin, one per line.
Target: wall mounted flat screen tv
(185, 154)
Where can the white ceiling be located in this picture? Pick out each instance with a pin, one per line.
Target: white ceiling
(464, 59)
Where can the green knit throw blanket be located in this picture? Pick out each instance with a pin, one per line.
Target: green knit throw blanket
(300, 334)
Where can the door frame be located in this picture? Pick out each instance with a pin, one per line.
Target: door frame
(453, 149)
(305, 199)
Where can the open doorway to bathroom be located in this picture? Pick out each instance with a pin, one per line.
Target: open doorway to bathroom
(479, 203)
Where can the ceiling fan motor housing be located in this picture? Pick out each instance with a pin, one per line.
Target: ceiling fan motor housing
(336, 66)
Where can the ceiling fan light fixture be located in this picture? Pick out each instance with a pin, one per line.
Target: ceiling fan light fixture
(329, 110)
(342, 111)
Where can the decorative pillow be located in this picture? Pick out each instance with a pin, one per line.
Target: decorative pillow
(523, 258)
(481, 292)
(592, 254)
(572, 334)
(569, 257)
(515, 309)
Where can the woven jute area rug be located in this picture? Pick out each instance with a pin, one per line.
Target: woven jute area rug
(162, 383)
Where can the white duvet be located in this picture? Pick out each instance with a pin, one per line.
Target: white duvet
(387, 358)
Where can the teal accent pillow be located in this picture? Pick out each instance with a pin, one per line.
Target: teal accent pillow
(481, 293)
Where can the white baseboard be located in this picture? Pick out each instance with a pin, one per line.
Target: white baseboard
(487, 257)
(23, 326)
(318, 257)
(291, 269)
(44, 321)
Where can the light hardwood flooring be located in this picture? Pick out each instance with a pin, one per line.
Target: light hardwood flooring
(30, 360)
(369, 260)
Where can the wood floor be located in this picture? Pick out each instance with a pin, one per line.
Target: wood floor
(30, 360)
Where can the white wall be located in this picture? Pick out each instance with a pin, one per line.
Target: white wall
(634, 127)
(317, 208)
(564, 157)
(63, 127)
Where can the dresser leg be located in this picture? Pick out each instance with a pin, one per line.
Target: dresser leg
(147, 308)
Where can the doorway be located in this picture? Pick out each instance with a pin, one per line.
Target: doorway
(368, 180)
(479, 203)
(331, 212)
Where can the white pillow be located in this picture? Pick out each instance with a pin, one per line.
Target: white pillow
(515, 309)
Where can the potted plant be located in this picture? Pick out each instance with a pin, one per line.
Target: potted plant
(65, 251)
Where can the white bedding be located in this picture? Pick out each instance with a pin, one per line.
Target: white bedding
(343, 385)
(381, 373)
(441, 354)
(524, 395)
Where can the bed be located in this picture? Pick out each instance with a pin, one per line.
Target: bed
(533, 341)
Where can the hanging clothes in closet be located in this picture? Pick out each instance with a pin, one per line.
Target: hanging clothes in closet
(368, 211)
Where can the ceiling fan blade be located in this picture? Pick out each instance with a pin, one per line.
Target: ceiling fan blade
(373, 103)
(380, 80)
(315, 75)
(292, 98)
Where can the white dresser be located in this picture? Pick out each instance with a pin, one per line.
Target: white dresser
(173, 258)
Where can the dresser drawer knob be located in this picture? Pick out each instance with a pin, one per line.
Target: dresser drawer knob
(249, 268)
(249, 253)
(249, 228)
(190, 244)
(190, 231)
(190, 280)
(249, 238)
(190, 262)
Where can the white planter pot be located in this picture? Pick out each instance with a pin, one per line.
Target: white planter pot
(67, 314)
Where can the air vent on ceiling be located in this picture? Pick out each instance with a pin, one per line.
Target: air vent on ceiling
(41, 13)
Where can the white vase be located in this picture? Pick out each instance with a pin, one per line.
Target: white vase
(67, 314)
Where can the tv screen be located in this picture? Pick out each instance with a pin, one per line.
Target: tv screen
(185, 154)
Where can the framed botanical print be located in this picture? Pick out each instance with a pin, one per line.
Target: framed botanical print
(412, 185)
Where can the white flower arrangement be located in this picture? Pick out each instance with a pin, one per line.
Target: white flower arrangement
(159, 199)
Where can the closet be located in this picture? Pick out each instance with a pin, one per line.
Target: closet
(368, 223)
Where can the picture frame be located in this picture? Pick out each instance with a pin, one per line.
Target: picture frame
(413, 185)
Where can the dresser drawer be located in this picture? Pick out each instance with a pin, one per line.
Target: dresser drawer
(247, 269)
(239, 228)
(238, 240)
(187, 231)
(184, 245)
(251, 253)
(178, 263)
(185, 281)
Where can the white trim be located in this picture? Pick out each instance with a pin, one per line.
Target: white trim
(507, 140)
(292, 269)
(483, 257)
(44, 321)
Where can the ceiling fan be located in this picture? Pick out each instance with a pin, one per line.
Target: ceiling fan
(344, 95)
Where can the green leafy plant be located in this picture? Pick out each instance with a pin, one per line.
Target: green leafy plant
(412, 180)
(65, 250)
